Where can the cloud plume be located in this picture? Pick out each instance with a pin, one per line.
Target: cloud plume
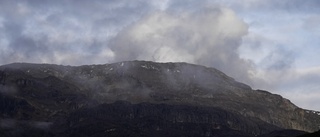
(208, 36)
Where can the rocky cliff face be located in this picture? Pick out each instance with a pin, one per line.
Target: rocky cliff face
(39, 92)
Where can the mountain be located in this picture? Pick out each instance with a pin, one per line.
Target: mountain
(140, 98)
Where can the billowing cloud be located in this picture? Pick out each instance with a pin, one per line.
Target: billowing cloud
(208, 36)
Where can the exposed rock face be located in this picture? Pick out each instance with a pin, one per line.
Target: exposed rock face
(40, 92)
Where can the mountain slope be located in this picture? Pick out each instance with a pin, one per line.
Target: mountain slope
(42, 92)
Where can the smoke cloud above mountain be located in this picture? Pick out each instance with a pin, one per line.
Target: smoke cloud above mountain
(209, 37)
(261, 43)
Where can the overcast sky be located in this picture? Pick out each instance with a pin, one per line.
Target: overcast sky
(268, 44)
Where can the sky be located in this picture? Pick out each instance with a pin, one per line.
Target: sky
(268, 44)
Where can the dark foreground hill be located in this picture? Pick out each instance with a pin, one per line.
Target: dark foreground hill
(315, 134)
(141, 98)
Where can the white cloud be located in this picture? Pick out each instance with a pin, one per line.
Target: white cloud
(208, 36)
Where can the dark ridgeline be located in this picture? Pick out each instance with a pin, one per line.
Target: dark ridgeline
(139, 98)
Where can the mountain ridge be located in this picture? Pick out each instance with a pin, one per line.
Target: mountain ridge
(52, 86)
